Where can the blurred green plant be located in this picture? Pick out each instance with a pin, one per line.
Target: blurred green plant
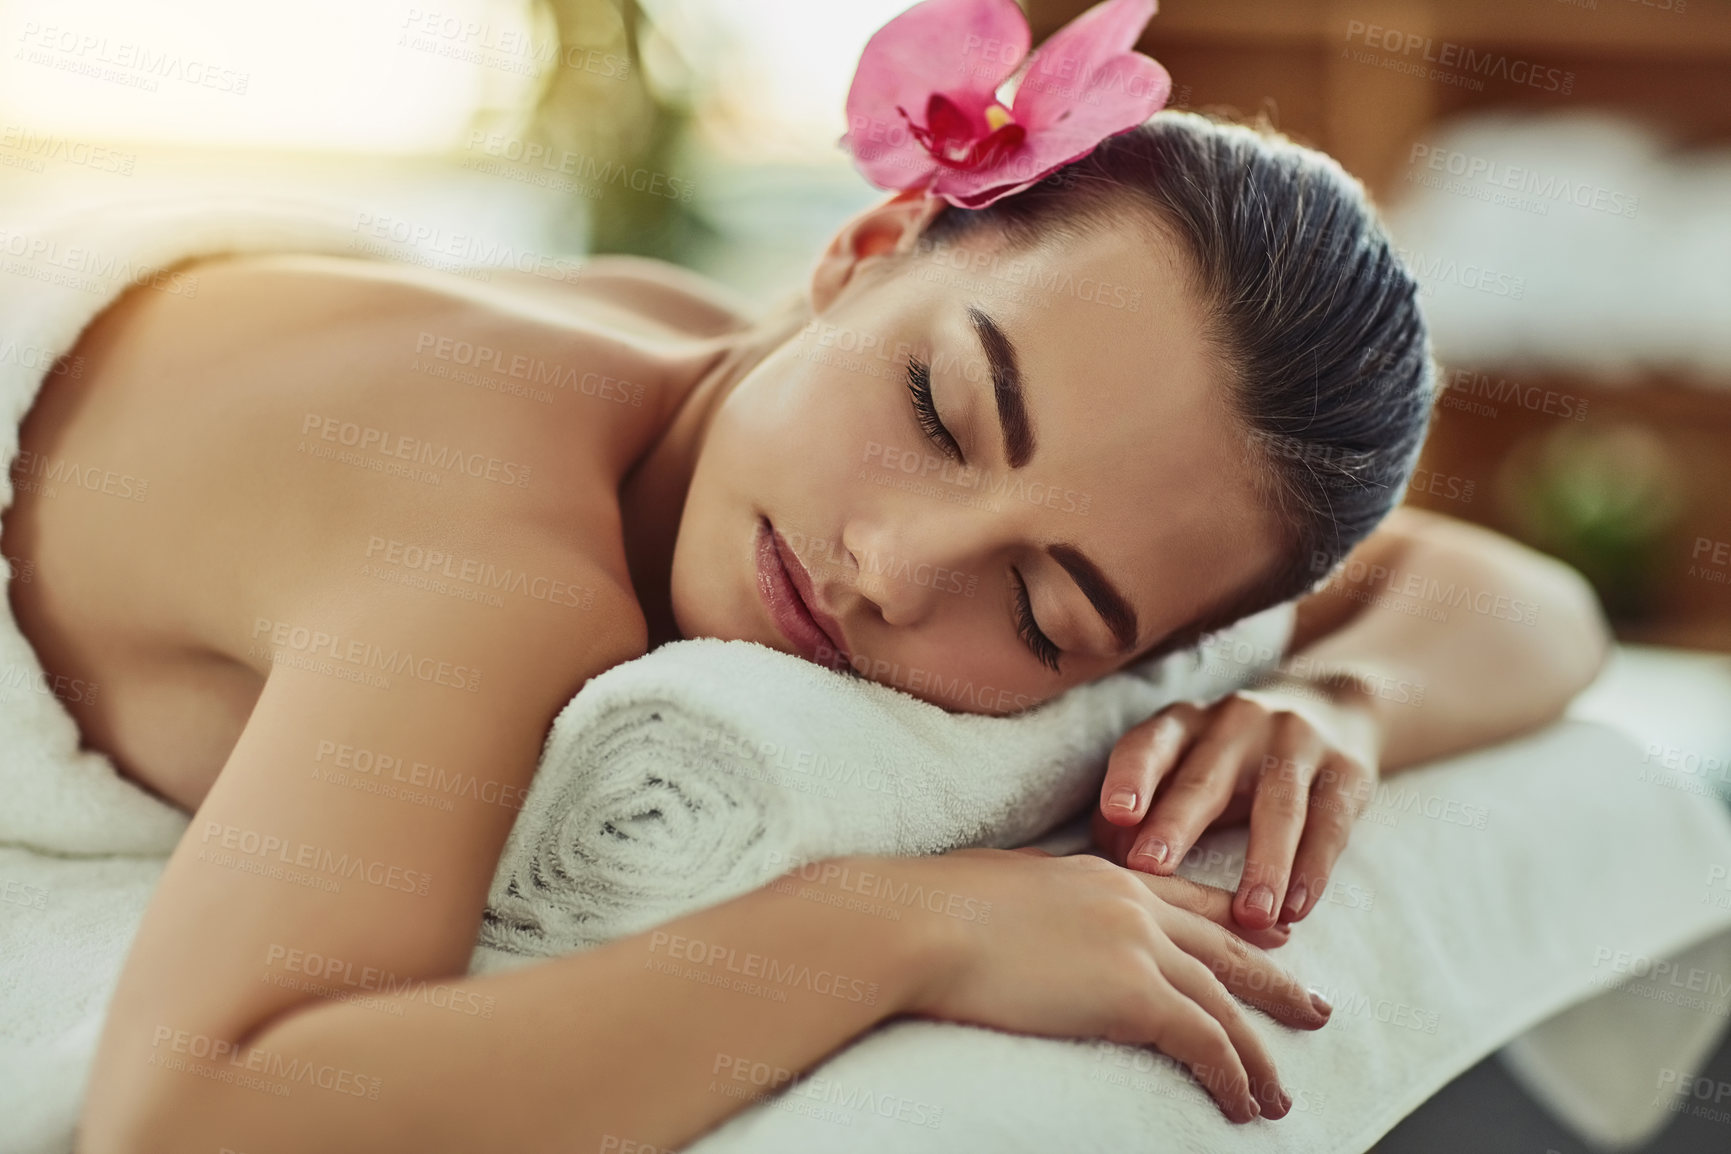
(1604, 500)
(629, 118)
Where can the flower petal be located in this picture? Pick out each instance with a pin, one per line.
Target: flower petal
(978, 187)
(1130, 89)
(1085, 83)
(975, 189)
(963, 49)
(1044, 152)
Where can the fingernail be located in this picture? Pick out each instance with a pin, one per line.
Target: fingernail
(1122, 799)
(1295, 900)
(1255, 1108)
(1261, 900)
(1153, 851)
(1320, 1003)
(1285, 1103)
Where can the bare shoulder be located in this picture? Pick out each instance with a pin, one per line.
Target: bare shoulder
(1408, 521)
(1326, 610)
(303, 453)
(310, 441)
(554, 610)
(1406, 526)
(1389, 551)
(670, 294)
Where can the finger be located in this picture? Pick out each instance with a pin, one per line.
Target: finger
(1174, 1024)
(1200, 788)
(1213, 903)
(1336, 798)
(1033, 849)
(1139, 759)
(1193, 979)
(1237, 809)
(1289, 765)
(1251, 975)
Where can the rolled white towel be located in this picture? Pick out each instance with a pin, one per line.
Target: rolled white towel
(708, 767)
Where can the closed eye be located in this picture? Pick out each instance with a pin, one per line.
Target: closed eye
(1029, 630)
(926, 409)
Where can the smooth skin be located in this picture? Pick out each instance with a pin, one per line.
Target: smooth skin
(254, 531)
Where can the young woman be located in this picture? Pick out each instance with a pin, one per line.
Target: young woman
(1099, 481)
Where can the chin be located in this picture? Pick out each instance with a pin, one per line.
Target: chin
(693, 618)
(707, 601)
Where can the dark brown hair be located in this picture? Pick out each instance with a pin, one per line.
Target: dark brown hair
(1315, 318)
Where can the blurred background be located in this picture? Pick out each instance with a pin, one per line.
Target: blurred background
(1557, 172)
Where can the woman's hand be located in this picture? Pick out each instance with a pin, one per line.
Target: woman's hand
(1299, 759)
(1078, 947)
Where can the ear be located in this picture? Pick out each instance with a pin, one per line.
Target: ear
(890, 229)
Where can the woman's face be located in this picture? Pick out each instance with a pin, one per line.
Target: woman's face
(980, 474)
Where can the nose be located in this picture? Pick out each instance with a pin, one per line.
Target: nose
(905, 566)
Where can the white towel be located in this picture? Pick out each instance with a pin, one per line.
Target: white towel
(702, 771)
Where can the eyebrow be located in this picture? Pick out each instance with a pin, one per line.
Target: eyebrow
(1113, 607)
(1006, 388)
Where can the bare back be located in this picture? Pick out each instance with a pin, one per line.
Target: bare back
(211, 475)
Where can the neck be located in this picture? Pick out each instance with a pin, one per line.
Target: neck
(652, 495)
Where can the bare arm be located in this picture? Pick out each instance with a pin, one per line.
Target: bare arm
(298, 982)
(293, 892)
(627, 1046)
(1463, 637)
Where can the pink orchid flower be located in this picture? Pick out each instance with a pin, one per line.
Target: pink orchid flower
(923, 111)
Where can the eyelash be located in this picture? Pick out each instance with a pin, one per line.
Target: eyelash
(926, 409)
(1029, 630)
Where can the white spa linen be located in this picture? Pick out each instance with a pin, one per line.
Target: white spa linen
(701, 772)
(1476, 900)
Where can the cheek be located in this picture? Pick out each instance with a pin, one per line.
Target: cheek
(971, 663)
(800, 431)
(788, 441)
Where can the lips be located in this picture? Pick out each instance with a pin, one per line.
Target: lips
(787, 593)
